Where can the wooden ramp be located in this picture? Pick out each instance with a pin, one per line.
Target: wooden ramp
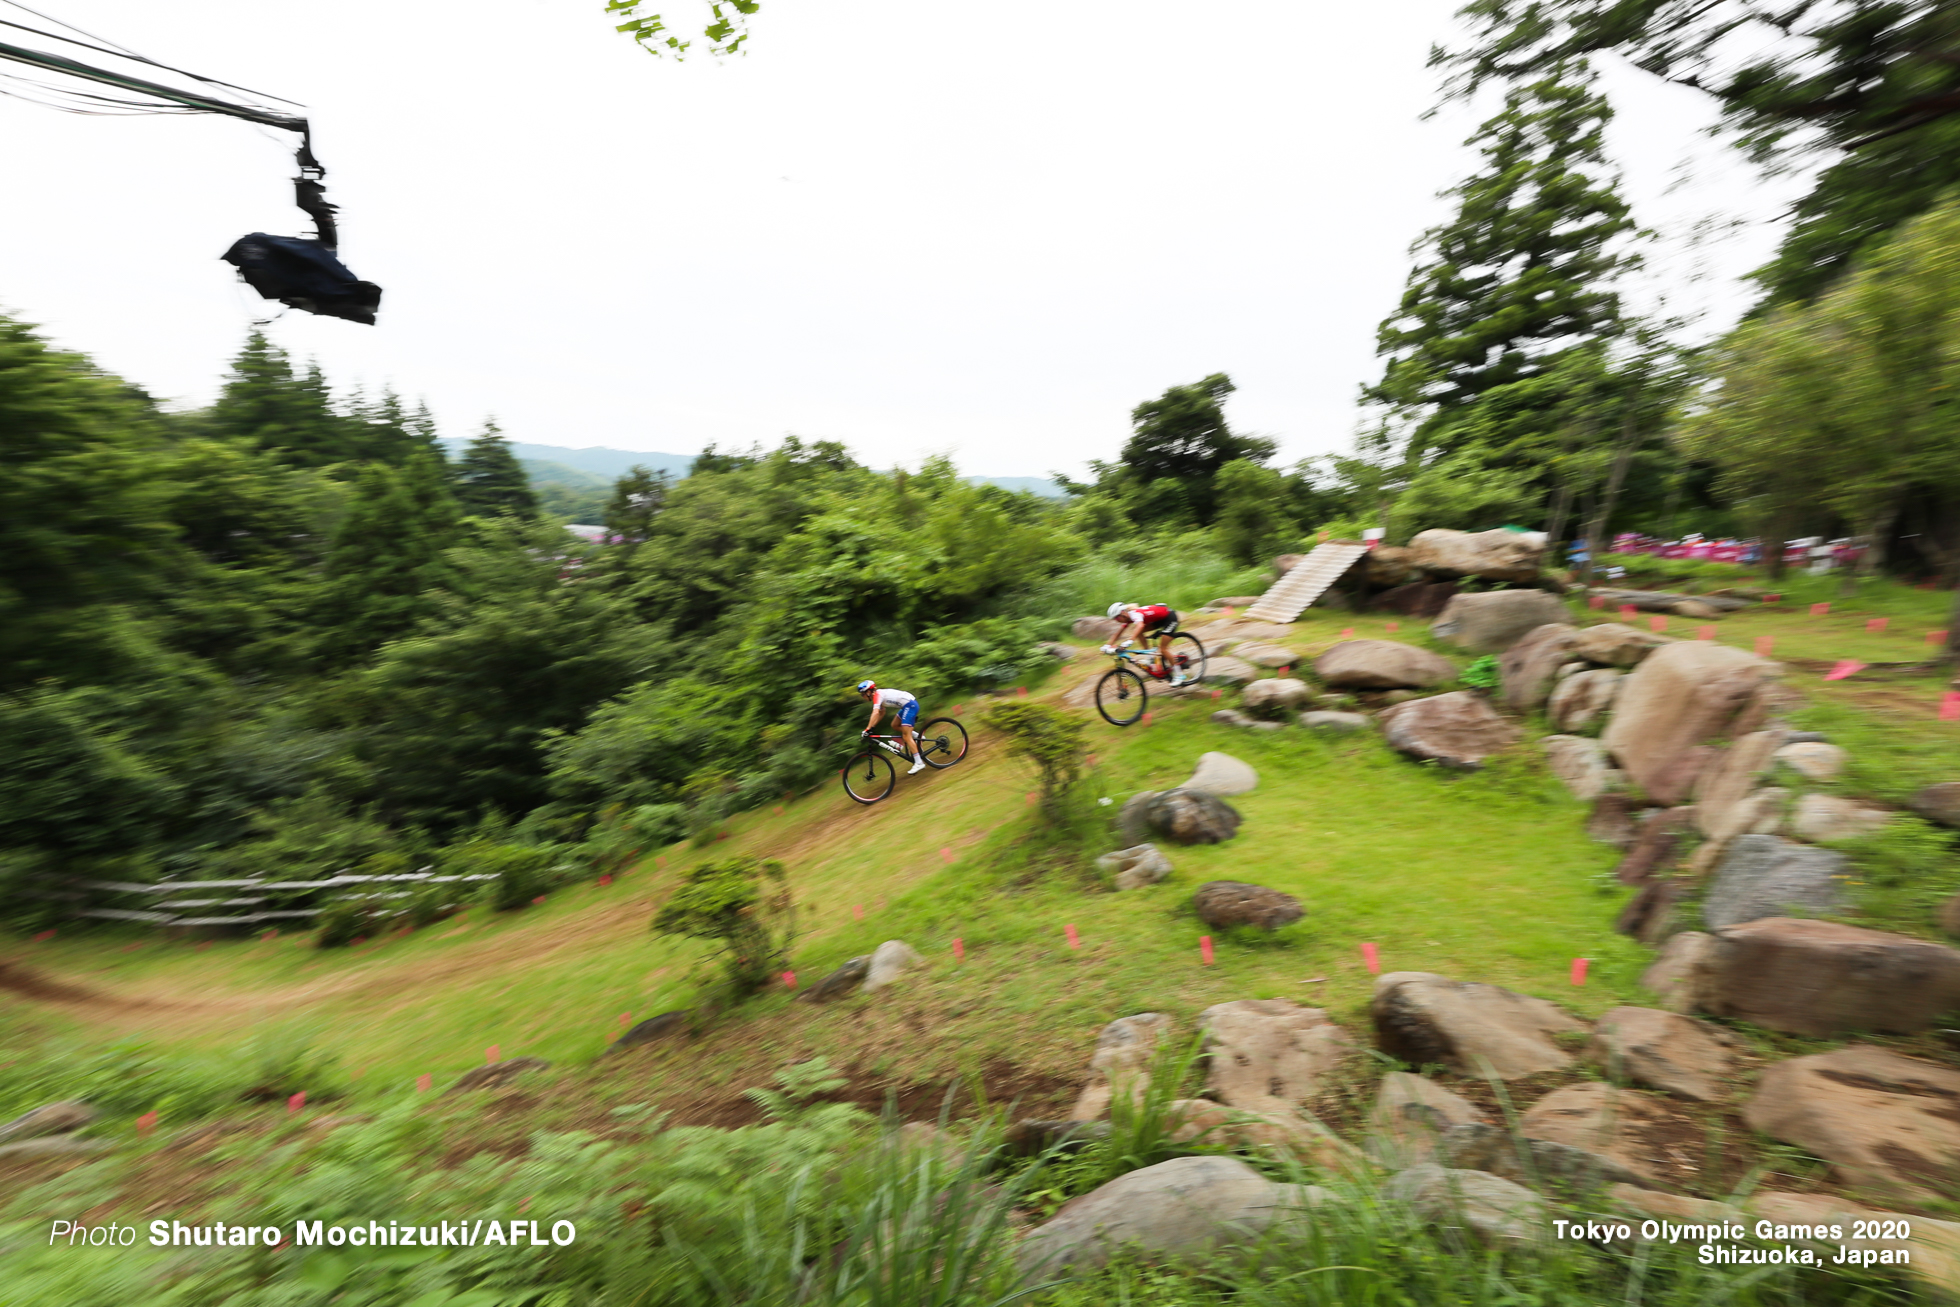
(1293, 593)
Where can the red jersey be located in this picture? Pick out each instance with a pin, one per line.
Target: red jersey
(1152, 614)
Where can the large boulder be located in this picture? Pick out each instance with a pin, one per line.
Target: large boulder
(1492, 555)
(1731, 777)
(1822, 978)
(1582, 764)
(1540, 1163)
(1389, 565)
(1100, 629)
(1767, 876)
(839, 983)
(1381, 665)
(1416, 599)
(1266, 1054)
(1227, 672)
(1283, 1130)
(1457, 730)
(1334, 723)
(1682, 973)
(1222, 904)
(1530, 667)
(1180, 816)
(1665, 1050)
(1266, 655)
(889, 961)
(1487, 1207)
(1473, 1029)
(664, 1025)
(1411, 1113)
(1275, 696)
(1681, 696)
(1939, 803)
(1615, 644)
(1888, 1124)
(1186, 1207)
(1828, 817)
(1124, 1051)
(1494, 621)
(1602, 1119)
(1611, 820)
(1133, 868)
(1581, 699)
(1655, 842)
(53, 1119)
(1814, 760)
(1221, 773)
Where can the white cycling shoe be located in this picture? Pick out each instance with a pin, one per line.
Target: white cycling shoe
(918, 765)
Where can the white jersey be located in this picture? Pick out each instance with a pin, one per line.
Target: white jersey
(895, 698)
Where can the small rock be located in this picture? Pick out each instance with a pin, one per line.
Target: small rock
(1133, 868)
(1582, 698)
(888, 961)
(1124, 1051)
(1613, 644)
(1694, 608)
(1233, 717)
(1334, 723)
(1817, 762)
(1269, 1054)
(1886, 1123)
(1538, 1163)
(1186, 1207)
(1494, 621)
(1283, 1130)
(1681, 974)
(838, 983)
(1276, 695)
(1380, 665)
(1190, 817)
(1530, 667)
(1424, 1018)
(1664, 1050)
(1582, 764)
(677, 1022)
(1611, 820)
(1939, 803)
(1457, 730)
(1729, 779)
(1827, 817)
(498, 1074)
(1221, 774)
(54, 1119)
(1805, 737)
(1236, 601)
(53, 1146)
(1411, 1112)
(1488, 1207)
(1655, 842)
(1266, 655)
(1057, 650)
(1766, 876)
(1823, 978)
(1227, 672)
(1222, 904)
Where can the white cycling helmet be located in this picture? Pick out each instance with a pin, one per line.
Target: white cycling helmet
(1116, 610)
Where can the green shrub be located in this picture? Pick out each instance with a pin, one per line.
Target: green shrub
(1050, 739)
(742, 904)
(522, 872)
(343, 921)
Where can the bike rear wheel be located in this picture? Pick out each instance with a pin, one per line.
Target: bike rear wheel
(869, 777)
(1120, 696)
(1188, 656)
(942, 741)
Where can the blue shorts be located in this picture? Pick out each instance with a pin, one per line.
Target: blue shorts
(909, 714)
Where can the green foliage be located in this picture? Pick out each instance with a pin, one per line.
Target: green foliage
(637, 499)
(489, 481)
(522, 872)
(289, 415)
(1482, 674)
(1902, 873)
(743, 905)
(1255, 520)
(388, 561)
(1050, 739)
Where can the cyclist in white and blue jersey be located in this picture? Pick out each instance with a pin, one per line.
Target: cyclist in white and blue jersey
(907, 706)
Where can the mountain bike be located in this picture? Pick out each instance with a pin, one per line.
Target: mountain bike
(870, 776)
(1120, 694)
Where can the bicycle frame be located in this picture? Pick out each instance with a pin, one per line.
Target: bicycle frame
(890, 744)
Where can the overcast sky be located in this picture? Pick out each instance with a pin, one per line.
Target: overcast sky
(984, 230)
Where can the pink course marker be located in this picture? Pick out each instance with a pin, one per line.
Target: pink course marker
(1819, 610)
(1950, 706)
(146, 1122)
(1216, 693)
(947, 854)
(1704, 633)
(1597, 601)
(1393, 627)
(1146, 719)
(959, 949)
(44, 936)
(1657, 623)
(1876, 626)
(857, 911)
(1579, 970)
(1764, 644)
(626, 1018)
(423, 1081)
(1021, 690)
(1347, 633)
(1845, 667)
(1936, 637)
(1204, 948)
(1074, 940)
(490, 1054)
(1372, 957)
(605, 880)
(1628, 612)
(789, 980)
(296, 1102)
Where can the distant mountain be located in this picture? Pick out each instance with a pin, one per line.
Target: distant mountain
(597, 466)
(604, 465)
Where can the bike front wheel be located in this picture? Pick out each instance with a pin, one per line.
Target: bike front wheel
(1120, 696)
(869, 777)
(942, 741)
(1188, 656)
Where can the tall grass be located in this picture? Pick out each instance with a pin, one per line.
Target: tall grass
(1185, 575)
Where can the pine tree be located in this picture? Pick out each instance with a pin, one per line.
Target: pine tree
(1524, 272)
(637, 499)
(489, 480)
(385, 431)
(288, 414)
(387, 558)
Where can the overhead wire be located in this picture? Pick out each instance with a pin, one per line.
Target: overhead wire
(121, 52)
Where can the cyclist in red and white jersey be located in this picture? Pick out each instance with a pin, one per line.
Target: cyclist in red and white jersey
(1159, 620)
(907, 706)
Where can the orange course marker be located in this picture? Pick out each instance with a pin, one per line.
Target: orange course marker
(1657, 623)
(1204, 949)
(146, 1122)
(1579, 970)
(1628, 612)
(1936, 637)
(1393, 627)
(1074, 940)
(1597, 601)
(1704, 633)
(296, 1102)
(1845, 667)
(490, 1054)
(422, 1083)
(1950, 706)
(1876, 626)
(1819, 610)
(959, 949)
(1372, 957)
(1764, 644)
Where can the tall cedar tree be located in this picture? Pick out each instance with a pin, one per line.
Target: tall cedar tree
(1524, 272)
(385, 431)
(1875, 84)
(387, 558)
(1178, 443)
(286, 413)
(489, 480)
(637, 499)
